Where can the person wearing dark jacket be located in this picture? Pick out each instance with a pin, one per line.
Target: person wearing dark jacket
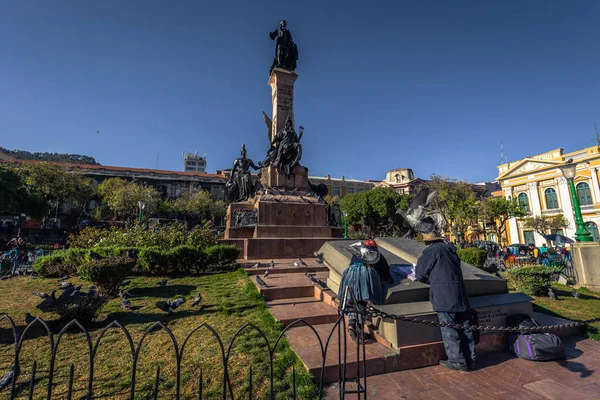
(439, 265)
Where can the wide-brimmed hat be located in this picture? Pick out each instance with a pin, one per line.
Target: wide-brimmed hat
(431, 237)
(366, 250)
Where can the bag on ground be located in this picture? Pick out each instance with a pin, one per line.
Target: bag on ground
(537, 346)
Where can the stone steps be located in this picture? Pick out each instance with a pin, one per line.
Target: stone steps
(310, 309)
(288, 285)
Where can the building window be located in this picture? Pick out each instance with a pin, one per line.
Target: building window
(350, 189)
(557, 232)
(337, 191)
(524, 201)
(584, 194)
(551, 200)
(593, 229)
(528, 237)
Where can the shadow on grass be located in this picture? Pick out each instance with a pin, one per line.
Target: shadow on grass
(164, 291)
(127, 318)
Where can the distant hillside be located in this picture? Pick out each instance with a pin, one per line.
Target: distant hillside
(54, 157)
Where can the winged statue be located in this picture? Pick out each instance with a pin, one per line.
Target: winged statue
(420, 218)
(269, 124)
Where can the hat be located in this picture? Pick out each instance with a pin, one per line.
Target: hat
(431, 237)
(366, 250)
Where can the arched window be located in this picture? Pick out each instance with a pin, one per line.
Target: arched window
(551, 200)
(593, 229)
(524, 201)
(584, 194)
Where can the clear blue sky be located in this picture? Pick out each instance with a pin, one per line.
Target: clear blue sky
(430, 85)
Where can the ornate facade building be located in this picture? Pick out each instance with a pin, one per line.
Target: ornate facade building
(540, 187)
(341, 186)
(402, 180)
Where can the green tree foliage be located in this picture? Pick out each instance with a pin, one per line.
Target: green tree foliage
(457, 200)
(52, 157)
(375, 209)
(122, 197)
(545, 224)
(497, 211)
(199, 204)
(16, 197)
(57, 184)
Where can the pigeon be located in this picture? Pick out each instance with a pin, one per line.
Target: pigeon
(256, 265)
(125, 283)
(552, 294)
(131, 254)
(266, 274)
(125, 295)
(29, 318)
(164, 306)
(126, 304)
(41, 295)
(296, 264)
(417, 217)
(302, 262)
(5, 277)
(311, 277)
(64, 278)
(7, 379)
(197, 300)
(163, 282)
(34, 275)
(94, 256)
(176, 303)
(92, 293)
(91, 287)
(272, 264)
(65, 284)
(261, 282)
(322, 284)
(575, 293)
(76, 292)
(69, 290)
(77, 288)
(319, 261)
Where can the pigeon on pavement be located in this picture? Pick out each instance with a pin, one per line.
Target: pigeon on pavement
(272, 264)
(266, 274)
(296, 264)
(256, 265)
(302, 262)
(261, 282)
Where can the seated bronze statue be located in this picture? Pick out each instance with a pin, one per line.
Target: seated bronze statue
(285, 151)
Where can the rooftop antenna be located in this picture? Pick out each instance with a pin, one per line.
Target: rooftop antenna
(157, 162)
(597, 134)
(502, 155)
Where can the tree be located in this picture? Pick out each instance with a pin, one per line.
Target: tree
(497, 211)
(375, 208)
(198, 204)
(53, 157)
(456, 200)
(16, 197)
(122, 197)
(542, 224)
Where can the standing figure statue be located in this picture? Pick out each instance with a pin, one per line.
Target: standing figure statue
(286, 51)
(286, 150)
(240, 186)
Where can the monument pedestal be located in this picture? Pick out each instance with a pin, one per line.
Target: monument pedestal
(586, 261)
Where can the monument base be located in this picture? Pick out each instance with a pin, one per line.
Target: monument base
(586, 261)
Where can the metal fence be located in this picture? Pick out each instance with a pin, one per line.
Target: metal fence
(226, 390)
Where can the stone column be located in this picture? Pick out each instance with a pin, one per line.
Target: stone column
(282, 91)
(512, 222)
(595, 184)
(536, 208)
(567, 206)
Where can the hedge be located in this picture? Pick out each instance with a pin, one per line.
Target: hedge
(107, 273)
(533, 281)
(183, 259)
(475, 257)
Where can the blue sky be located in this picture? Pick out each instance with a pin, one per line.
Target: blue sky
(431, 85)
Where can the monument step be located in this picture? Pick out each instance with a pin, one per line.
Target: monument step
(285, 270)
(545, 320)
(310, 309)
(287, 286)
(279, 231)
(282, 247)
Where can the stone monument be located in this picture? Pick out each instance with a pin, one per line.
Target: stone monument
(285, 218)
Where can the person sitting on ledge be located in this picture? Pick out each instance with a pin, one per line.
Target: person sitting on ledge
(364, 281)
(439, 265)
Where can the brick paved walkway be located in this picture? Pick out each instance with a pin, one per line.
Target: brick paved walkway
(498, 376)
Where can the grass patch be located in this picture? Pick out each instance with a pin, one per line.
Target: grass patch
(586, 307)
(229, 301)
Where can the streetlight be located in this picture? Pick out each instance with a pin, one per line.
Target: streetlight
(141, 206)
(345, 214)
(569, 169)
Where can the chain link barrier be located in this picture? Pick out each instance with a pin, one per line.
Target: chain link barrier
(374, 312)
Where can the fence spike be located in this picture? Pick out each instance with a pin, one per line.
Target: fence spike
(200, 386)
(32, 380)
(71, 373)
(156, 382)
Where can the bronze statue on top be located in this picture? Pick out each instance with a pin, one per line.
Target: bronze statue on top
(286, 150)
(240, 186)
(286, 51)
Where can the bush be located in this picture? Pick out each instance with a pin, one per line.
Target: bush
(107, 273)
(220, 255)
(533, 281)
(153, 261)
(84, 308)
(184, 258)
(61, 262)
(475, 257)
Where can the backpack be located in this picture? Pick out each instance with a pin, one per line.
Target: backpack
(537, 346)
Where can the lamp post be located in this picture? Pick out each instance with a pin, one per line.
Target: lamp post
(141, 206)
(345, 213)
(569, 170)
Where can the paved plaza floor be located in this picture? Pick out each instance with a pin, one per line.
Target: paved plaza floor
(498, 376)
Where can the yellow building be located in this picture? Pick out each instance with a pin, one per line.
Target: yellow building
(540, 187)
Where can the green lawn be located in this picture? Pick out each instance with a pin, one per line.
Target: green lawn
(566, 306)
(229, 301)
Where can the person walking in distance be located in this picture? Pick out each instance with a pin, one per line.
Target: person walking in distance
(439, 265)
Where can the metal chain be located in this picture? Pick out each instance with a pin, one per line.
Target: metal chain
(373, 312)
